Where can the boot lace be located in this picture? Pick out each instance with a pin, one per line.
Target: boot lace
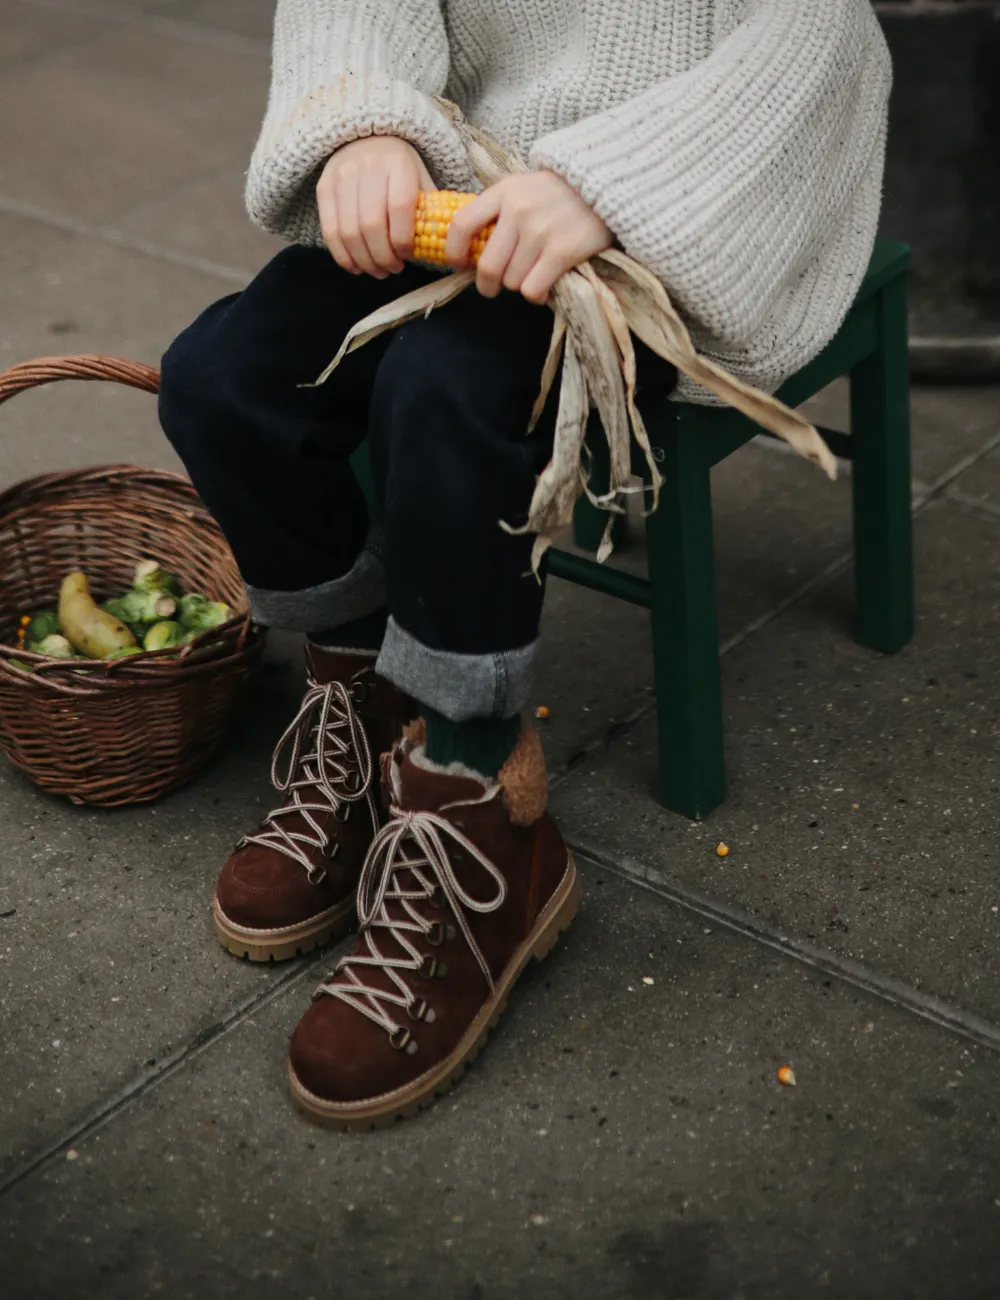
(382, 882)
(328, 768)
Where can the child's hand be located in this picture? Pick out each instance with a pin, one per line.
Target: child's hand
(544, 229)
(367, 197)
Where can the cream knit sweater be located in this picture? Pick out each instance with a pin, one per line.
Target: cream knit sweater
(735, 147)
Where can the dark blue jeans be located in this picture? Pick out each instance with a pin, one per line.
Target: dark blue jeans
(444, 402)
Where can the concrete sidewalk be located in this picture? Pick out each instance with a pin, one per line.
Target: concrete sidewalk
(619, 1138)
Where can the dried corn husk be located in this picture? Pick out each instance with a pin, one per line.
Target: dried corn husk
(598, 307)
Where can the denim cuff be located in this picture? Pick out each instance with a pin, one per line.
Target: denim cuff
(357, 593)
(460, 686)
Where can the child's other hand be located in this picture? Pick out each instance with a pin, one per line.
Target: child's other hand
(544, 228)
(367, 198)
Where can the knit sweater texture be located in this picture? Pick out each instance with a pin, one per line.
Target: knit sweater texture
(735, 147)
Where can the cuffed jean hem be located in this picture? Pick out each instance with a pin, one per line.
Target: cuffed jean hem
(460, 686)
(359, 592)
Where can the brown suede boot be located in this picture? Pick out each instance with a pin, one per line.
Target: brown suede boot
(291, 884)
(466, 882)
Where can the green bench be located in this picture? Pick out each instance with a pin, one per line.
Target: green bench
(688, 440)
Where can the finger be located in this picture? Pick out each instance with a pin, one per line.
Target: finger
(373, 208)
(338, 251)
(529, 249)
(424, 177)
(538, 283)
(468, 222)
(329, 224)
(349, 218)
(496, 256)
(404, 185)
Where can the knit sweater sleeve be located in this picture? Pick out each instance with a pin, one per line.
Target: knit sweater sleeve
(734, 178)
(343, 69)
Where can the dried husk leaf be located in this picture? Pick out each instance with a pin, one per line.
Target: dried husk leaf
(549, 371)
(623, 338)
(653, 318)
(575, 298)
(419, 302)
(559, 483)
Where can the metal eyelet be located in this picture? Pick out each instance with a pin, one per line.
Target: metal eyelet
(330, 849)
(342, 812)
(436, 933)
(430, 968)
(436, 897)
(360, 691)
(316, 875)
(418, 1009)
(352, 782)
(403, 1041)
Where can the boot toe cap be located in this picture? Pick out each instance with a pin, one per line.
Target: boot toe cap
(341, 1057)
(262, 889)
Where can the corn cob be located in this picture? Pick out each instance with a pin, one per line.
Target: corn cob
(435, 209)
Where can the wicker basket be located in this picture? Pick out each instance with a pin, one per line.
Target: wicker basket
(129, 730)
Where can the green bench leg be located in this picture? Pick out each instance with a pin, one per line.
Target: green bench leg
(685, 630)
(883, 521)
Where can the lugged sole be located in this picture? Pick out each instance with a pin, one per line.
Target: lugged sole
(383, 1111)
(282, 945)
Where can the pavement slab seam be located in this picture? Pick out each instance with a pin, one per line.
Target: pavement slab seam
(158, 25)
(172, 191)
(105, 1111)
(161, 252)
(974, 505)
(945, 1015)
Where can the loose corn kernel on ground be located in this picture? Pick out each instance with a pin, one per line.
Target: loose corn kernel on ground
(435, 209)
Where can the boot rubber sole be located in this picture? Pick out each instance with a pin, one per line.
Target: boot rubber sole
(384, 1110)
(285, 943)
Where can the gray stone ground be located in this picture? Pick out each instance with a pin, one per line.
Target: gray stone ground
(619, 1138)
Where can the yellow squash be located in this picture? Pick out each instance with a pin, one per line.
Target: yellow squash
(92, 630)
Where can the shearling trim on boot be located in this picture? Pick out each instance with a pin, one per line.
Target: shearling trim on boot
(525, 779)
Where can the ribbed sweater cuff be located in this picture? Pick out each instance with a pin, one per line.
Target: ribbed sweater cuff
(295, 144)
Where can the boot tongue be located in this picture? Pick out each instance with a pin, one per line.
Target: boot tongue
(329, 665)
(422, 789)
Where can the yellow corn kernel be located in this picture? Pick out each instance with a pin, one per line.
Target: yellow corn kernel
(435, 209)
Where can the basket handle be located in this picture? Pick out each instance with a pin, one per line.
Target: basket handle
(50, 370)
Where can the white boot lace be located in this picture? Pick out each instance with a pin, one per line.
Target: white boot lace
(332, 776)
(382, 883)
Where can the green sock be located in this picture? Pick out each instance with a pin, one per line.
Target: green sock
(360, 634)
(484, 744)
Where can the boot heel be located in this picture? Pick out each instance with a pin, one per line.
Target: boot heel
(562, 916)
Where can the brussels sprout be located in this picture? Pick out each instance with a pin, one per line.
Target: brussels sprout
(163, 636)
(137, 607)
(42, 625)
(204, 614)
(55, 645)
(150, 577)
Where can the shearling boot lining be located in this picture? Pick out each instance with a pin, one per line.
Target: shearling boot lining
(523, 779)
(415, 733)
